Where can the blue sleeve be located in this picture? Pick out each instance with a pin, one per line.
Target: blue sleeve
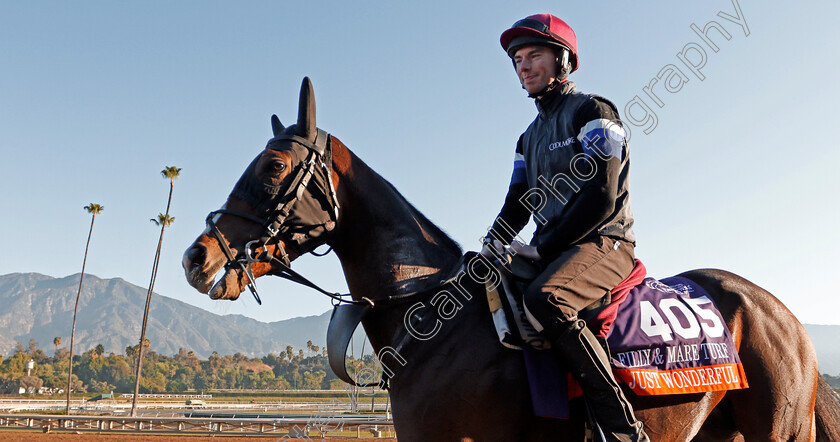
(514, 215)
(518, 176)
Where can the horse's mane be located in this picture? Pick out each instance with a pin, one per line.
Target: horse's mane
(445, 241)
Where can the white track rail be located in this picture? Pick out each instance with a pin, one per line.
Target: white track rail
(322, 425)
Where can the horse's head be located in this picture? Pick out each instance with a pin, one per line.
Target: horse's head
(283, 206)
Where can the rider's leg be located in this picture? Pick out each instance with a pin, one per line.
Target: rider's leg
(591, 367)
(573, 280)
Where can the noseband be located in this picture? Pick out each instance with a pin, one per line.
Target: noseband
(312, 235)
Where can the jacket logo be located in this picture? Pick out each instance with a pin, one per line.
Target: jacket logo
(559, 144)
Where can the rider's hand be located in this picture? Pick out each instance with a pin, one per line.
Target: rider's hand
(493, 248)
(526, 251)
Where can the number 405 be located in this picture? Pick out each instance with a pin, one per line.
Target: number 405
(653, 324)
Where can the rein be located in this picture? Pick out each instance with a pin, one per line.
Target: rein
(244, 262)
(319, 154)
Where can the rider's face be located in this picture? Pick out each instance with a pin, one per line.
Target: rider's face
(535, 66)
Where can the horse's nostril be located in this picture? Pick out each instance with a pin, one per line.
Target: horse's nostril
(195, 256)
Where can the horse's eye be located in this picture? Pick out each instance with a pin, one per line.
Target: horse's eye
(277, 166)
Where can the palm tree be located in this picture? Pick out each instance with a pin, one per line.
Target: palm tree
(163, 220)
(94, 209)
(57, 342)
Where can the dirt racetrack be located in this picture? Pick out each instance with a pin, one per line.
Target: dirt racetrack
(16, 436)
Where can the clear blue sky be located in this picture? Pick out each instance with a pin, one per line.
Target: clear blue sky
(97, 97)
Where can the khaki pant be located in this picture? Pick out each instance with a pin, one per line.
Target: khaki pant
(576, 278)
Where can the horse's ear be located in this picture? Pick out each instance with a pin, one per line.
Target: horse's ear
(306, 111)
(276, 125)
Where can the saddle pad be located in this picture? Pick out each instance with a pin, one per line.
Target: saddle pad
(668, 337)
(665, 355)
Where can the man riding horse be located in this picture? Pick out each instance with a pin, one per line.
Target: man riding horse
(571, 171)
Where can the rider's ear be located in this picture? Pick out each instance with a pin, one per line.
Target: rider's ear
(276, 125)
(306, 111)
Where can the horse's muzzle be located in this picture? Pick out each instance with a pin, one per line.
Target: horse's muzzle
(201, 269)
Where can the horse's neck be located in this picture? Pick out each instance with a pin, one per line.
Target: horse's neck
(386, 247)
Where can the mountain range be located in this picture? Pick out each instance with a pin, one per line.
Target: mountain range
(110, 311)
(41, 307)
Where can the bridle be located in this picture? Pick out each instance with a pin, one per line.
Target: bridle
(319, 155)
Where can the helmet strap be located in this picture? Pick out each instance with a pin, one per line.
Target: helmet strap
(551, 86)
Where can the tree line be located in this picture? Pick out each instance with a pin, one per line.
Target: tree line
(96, 371)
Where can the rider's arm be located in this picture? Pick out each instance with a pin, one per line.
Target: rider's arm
(514, 215)
(602, 139)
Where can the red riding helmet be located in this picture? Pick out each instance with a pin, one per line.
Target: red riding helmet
(543, 30)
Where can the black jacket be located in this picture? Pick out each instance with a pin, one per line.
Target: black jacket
(571, 173)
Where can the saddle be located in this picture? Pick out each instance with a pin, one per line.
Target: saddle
(512, 325)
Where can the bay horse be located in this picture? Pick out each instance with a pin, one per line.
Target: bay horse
(306, 189)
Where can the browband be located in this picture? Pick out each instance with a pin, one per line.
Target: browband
(319, 146)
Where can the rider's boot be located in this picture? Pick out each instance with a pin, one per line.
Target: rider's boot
(590, 365)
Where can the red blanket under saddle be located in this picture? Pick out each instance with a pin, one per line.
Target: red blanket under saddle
(601, 323)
